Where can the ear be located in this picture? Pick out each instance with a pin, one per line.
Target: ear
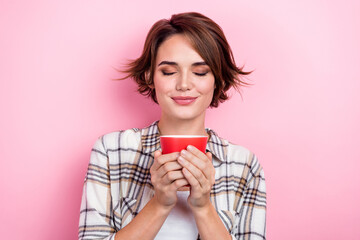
(148, 81)
(151, 86)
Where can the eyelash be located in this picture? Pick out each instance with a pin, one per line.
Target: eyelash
(167, 74)
(201, 74)
(171, 73)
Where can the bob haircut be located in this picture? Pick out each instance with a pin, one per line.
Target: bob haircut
(207, 39)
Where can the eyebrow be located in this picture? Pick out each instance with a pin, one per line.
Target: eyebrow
(175, 64)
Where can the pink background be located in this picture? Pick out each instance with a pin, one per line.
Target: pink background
(301, 116)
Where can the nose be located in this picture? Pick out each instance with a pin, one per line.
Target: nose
(183, 83)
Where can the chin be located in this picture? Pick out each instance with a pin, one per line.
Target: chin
(186, 115)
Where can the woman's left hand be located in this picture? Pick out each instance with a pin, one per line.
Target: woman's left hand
(200, 173)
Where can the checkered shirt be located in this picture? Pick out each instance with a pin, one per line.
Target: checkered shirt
(117, 184)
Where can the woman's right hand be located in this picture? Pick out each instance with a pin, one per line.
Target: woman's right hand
(167, 178)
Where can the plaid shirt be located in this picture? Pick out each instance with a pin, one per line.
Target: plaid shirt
(117, 185)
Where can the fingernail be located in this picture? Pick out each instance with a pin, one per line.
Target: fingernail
(181, 160)
(190, 147)
(183, 152)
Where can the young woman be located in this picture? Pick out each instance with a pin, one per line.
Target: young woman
(133, 191)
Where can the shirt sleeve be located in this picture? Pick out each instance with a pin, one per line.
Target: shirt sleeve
(250, 219)
(96, 215)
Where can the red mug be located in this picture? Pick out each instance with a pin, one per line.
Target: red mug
(176, 143)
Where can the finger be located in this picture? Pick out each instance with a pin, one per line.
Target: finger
(156, 164)
(212, 172)
(194, 183)
(208, 168)
(209, 156)
(172, 176)
(196, 173)
(168, 167)
(179, 183)
(197, 153)
(160, 159)
(204, 166)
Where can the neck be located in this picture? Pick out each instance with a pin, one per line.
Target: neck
(182, 127)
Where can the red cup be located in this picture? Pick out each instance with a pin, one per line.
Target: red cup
(176, 143)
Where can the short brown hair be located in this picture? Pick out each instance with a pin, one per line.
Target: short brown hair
(207, 39)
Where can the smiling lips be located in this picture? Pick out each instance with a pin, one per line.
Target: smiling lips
(184, 100)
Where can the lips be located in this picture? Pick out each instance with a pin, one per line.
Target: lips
(184, 100)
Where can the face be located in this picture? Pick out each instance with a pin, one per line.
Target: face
(184, 83)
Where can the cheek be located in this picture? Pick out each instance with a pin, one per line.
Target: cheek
(163, 84)
(161, 90)
(159, 85)
(207, 88)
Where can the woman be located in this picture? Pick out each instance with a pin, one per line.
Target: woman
(133, 191)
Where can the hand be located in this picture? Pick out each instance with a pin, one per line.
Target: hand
(200, 173)
(167, 178)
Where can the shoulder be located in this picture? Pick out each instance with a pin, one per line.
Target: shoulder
(129, 138)
(238, 152)
(248, 160)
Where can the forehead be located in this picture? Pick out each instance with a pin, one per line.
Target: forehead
(177, 48)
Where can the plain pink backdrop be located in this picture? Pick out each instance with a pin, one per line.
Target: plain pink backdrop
(301, 117)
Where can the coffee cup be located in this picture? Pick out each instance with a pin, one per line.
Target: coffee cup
(176, 143)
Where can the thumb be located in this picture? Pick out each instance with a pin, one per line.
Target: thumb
(157, 153)
(209, 155)
(155, 164)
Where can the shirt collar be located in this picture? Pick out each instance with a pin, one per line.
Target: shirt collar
(150, 141)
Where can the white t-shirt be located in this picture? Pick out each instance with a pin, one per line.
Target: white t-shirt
(180, 224)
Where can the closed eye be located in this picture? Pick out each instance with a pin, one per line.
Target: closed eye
(200, 74)
(167, 73)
